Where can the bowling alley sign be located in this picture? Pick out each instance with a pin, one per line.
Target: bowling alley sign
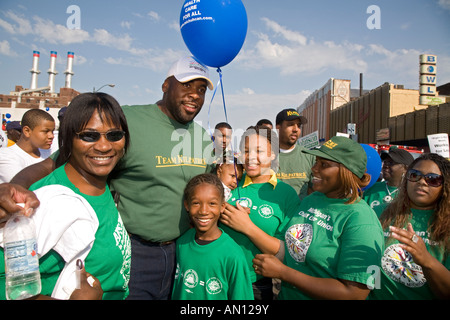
(427, 89)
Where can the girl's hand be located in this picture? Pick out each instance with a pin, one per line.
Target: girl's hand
(268, 265)
(237, 217)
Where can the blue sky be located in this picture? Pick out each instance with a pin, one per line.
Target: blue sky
(292, 48)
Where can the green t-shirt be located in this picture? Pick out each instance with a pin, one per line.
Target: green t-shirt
(295, 169)
(163, 156)
(401, 278)
(110, 256)
(378, 196)
(330, 239)
(270, 207)
(214, 271)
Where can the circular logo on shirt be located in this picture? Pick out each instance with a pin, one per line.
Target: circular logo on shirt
(298, 239)
(398, 265)
(213, 285)
(245, 202)
(265, 211)
(190, 278)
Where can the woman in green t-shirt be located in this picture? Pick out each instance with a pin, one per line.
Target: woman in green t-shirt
(78, 219)
(335, 240)
(416, 261)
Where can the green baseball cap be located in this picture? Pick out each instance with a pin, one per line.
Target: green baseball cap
(343, 150)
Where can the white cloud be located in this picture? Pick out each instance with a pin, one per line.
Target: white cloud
(444, 4)
(105, 38)
(8, 27)
(79, 60)
(289, 35)
(175, 25)
(400, 61)
(47, 31)
(248, 91)
(246, 107)
(126, 24)
(22, 26)
(156, 60)
(5, 49)
(294, 53)
(154, 16)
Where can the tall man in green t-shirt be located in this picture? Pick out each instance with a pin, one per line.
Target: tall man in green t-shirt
(295, 166)
(167, 149)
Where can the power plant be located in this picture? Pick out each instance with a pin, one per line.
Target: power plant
(17, 102)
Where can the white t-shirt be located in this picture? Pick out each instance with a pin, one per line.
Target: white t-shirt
(12, 160)
(65, 222)
(3, 139)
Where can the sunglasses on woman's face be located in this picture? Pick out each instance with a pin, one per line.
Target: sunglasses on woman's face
(93, 136)
(432, 179)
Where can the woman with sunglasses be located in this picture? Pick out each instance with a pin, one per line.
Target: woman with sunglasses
(416, 261)
(77, 218)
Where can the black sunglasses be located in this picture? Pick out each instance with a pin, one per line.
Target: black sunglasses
(93, 136)
(432, 179)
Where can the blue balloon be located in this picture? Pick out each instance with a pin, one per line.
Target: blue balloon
(373, 164)
(214, 30)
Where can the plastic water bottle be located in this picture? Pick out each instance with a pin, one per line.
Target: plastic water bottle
(23, 279)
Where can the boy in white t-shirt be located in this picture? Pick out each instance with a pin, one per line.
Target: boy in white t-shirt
(37, 133)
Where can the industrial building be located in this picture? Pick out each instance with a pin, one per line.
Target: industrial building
(17, 102)
(388, 114)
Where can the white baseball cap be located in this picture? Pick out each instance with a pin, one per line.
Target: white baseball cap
(187, 69)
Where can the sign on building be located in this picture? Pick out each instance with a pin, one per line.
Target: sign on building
(427, 79)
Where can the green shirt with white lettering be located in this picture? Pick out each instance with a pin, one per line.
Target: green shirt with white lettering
(330, 239)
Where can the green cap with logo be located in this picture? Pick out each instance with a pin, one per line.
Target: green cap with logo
(343, 150)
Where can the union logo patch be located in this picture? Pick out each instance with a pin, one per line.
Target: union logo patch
(298, 239)
(398, 265)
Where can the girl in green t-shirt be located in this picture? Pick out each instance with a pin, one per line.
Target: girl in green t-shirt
(210, 265)
(416, 261)
(335, 239)
(267, 201)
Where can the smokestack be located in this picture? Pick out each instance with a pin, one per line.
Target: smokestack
(52, 71)
(34, 70)
(69, 73)
(360, 84)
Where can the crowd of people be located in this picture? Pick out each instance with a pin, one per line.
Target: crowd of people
(155, 218)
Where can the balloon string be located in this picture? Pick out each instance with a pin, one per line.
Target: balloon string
(220, 82)
(231, 142)
(209, 110)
